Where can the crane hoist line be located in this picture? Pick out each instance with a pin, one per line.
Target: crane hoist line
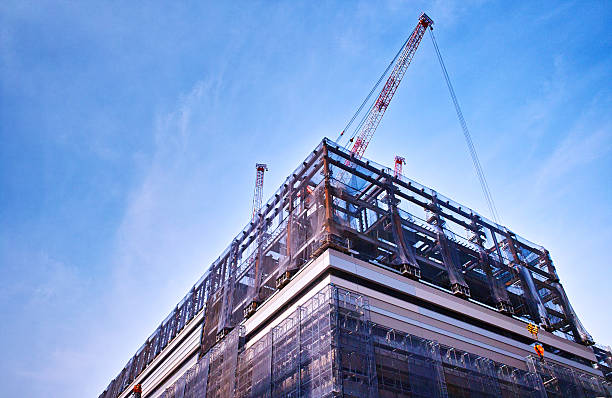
(363, 133)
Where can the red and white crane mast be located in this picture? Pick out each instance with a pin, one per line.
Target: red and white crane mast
(399, 162)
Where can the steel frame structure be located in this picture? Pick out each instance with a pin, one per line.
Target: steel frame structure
(376, 216)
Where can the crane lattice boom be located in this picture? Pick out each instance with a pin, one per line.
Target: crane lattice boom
(384, 98)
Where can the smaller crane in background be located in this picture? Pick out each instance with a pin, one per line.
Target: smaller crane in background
(399, 162)
(260, 168)
(253, 291)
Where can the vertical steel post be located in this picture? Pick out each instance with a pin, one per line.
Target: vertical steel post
(405, 258)
(327, 187)
(536, 308)
(457, 282)
(499, 294)
(228, 291)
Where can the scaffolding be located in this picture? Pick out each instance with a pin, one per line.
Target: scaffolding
(603, 355)
(322, 349)
(562, 381)
(192, 384)
(255, 370)
(223, 363)
(328, 347)
(334, 200)
(407, 365)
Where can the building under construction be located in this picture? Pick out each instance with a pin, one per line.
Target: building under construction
(352, 281)
(355, 281)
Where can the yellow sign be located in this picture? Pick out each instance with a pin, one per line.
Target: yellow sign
(533, 329)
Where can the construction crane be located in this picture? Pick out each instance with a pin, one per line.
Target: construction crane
(399, 162)
(253, 291)
(260, 168)
(225, 323)
(364, 132)
(366, 128)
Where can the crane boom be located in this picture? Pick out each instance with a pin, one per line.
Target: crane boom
(384, 98)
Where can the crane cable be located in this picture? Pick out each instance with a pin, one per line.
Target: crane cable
(468, 138)
(367, 99)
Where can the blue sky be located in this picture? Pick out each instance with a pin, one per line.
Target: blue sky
(129, 133)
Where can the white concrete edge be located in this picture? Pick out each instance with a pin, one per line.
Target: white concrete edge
(422, 292)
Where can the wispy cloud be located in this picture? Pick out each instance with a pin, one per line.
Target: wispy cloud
(449, 12)
(555, 11)
(46, 298)
(149, 230)
(578, 148)
(539, 110)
